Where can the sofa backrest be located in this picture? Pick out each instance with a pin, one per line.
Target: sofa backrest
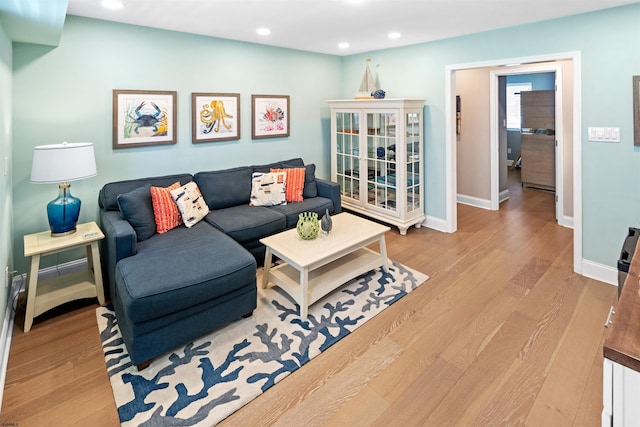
(108, 197)
(291, 163)
(221, 188)
(232, 187)
(225, 188)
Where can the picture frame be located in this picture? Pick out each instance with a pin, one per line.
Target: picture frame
(270, 116)
(143, 118)
(636, 111)
(215, 117)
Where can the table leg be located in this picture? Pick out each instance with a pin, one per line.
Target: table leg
(267, 268)
(304, 297)
(32, 285)
(383, 254)
(93, 257)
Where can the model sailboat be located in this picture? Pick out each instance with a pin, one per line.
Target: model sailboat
(368, 85)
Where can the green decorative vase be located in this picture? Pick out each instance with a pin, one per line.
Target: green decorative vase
(308, 225)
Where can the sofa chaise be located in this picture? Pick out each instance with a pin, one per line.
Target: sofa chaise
(169, 288)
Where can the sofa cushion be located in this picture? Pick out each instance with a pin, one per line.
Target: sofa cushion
(225, 188)
(137, 209)
(246, 223)
(166, 277)
(294, 183)
(190, 203)
(268, 189)
(310, 189)
(316, 204)
(165, 209)
(108, 196)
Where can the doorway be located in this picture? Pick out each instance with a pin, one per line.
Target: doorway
(573, 174)
(563, 131)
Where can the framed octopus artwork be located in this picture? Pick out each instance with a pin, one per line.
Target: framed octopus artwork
(215, 116)
(270, 116)
(143, 118)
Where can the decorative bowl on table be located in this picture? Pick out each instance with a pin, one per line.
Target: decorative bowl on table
(308, 225)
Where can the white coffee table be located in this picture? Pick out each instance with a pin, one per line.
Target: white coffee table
(314, 268)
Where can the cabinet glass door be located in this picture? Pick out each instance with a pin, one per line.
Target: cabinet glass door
(414, 168)
(348, 154)
(381, 160)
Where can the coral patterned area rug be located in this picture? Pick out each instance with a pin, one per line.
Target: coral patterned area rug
(205, 381)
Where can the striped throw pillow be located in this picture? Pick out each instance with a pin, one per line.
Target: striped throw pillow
(165, 209)
(295, 183)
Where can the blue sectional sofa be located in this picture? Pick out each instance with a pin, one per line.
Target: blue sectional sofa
(170, 288)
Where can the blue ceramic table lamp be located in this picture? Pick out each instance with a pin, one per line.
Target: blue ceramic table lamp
(61, 163)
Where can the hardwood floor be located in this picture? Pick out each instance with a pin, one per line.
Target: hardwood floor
(503, 333)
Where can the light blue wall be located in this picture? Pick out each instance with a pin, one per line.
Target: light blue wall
(6, 204)
(539, 81)
(65, 94)
(609, 44)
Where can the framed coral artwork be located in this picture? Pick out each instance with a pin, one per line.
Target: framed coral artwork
(215, 117)
(143, 118)
(270, 116)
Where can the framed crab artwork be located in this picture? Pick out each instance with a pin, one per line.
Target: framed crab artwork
(270, 116)
(215, 116)
(143, 118)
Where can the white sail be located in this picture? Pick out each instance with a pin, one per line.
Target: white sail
(368, 84)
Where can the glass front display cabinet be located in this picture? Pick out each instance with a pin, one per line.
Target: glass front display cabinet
(377, 158)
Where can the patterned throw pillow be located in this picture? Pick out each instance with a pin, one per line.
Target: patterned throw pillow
(295, 183)
(190, 203)
(268, 189)
(165, 209)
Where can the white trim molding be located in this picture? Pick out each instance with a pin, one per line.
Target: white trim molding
(601, 272)
(474, 201)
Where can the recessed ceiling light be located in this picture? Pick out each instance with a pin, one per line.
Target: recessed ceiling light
(112, 4)
(343, 45)
(394, 35)
(263, 31)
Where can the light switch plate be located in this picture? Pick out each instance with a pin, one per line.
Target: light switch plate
(604, 134)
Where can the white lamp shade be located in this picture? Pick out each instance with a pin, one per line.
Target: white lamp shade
(57, 163)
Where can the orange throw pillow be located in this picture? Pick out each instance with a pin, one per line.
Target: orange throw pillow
(165, 209)
(295, 183)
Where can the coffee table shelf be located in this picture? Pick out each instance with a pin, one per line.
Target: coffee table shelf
(314, 268)
(327, 278)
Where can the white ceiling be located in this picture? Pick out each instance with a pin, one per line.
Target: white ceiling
(320, 25)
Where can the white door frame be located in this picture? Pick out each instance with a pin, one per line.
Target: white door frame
(451, 210)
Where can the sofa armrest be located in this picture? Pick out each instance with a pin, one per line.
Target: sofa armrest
(120, 242)
(330, 190)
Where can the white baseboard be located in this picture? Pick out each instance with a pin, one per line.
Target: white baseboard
(601, 272)
(474, 201)
(437, 224)
(504, 195)
(17, 285)
(566, 221)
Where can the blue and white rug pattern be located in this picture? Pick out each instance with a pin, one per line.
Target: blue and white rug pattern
(205, 381)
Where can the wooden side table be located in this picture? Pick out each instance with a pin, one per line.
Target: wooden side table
(53, 292)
